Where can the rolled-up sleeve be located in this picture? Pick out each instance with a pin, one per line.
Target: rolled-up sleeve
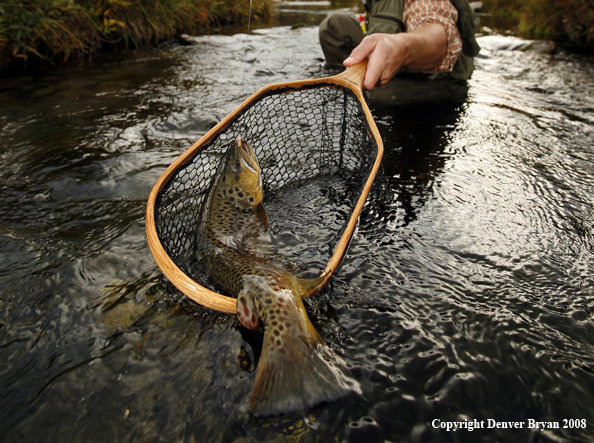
(420, 12)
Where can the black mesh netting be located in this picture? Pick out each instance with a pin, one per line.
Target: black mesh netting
(299, 135)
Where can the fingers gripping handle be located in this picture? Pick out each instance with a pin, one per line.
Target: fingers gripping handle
(355, 74)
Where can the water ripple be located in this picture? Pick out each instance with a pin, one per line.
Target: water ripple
(467, 291)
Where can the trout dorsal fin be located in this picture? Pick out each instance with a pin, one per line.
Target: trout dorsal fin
(310, 286)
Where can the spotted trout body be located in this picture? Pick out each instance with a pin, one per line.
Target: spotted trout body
(296, 369)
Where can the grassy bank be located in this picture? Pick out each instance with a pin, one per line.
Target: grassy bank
(50, 31)
(569, 20)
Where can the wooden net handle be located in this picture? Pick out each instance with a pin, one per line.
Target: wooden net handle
(355, 74)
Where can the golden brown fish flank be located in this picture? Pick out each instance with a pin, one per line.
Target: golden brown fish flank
(230, 216)
(296, 369)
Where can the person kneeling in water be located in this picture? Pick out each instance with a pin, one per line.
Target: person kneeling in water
(434, 37)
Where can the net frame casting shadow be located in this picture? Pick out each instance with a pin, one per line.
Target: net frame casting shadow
(299, 130)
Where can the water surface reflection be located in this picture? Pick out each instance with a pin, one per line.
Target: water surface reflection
(467, 291)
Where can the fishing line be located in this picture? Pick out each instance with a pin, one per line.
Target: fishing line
(246, 57)
(246, 48)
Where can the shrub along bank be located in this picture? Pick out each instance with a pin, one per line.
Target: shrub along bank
(565, 20)
(33, 31)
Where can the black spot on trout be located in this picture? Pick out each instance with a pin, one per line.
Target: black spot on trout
(296, 369)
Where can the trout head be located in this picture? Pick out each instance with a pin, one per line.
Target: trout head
(241, 180)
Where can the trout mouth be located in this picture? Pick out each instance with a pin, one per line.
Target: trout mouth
(247, 155)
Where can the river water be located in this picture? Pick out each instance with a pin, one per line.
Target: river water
(467, 292)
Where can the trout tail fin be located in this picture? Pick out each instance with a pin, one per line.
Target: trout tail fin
(297, 370)
(305, 378)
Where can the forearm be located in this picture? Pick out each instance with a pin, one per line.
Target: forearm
(426, 45)
(419, 13)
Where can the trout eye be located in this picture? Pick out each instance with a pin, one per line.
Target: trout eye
(236, 164)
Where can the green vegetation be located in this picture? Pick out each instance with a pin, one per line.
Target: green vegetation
(571, 20)
(57, 30)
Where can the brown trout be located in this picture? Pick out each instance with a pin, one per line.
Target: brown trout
(296, 370)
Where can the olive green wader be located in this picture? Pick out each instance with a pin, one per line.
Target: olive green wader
(341, 33)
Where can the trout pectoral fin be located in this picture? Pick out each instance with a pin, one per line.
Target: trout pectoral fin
(261, 214)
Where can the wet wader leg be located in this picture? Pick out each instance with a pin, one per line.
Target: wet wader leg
(339, 35)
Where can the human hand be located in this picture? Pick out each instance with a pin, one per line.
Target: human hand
(387, 53)
(422, 49)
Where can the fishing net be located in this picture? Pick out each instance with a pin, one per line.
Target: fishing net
(299, 134)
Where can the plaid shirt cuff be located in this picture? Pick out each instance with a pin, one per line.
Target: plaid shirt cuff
(420, 12)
